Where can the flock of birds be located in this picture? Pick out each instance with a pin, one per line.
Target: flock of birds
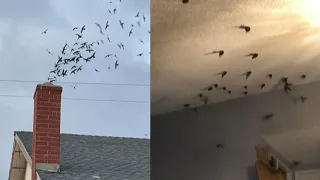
(283, 82)
(74, 55)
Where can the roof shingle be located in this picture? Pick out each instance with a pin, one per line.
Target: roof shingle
(90, 157)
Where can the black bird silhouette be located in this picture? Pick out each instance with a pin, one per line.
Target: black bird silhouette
(141, 41)
(45, 31)
(223, 88)
(130, 32)
(205, 100)
(219, 146)
(303, 99)
(108, 39)
(144, 18)
(137, 14)
(122, 46)
(108, 55)
(100, 28)
(253, 55)
(295, 163)
(267, 116)
(220, 52)
(75, 28)
(74, 87)
(75, 44)
(114, 10)
(229, 91)
(200, 95)
(262, 86)
(287, 87)
(246, 28)
(121, 23)
(109, 11)
(140, 54)
(64, 48)
(139, 24)
(223, 73)
(186, 105)
(269, 76)
(116, 64)
(107, 25)
(245, 93)
(303, 76)
(79, 36)
(49, 52)
(83, 29)
(96, 70)
(245, 87)
(247, 74)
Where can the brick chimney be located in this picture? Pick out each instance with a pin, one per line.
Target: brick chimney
(46, 128)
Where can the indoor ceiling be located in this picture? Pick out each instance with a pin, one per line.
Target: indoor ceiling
(284, 33)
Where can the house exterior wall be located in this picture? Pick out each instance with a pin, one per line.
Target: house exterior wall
(28, 173)
(183, 143)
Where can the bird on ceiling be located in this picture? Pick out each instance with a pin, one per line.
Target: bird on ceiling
(253, 55)
(220, 52)
(267, 116)
(223, 73)
(210, 87)
(262, 86)
(269, 76)
(185, 1)
(186, 105)
(295, 163)
(247, 74)
(223, 88)
(246, 28)
(205, 100)
(303, 76)
(245, 93)
(229, 91)
(220, 146)
(245, 87)
(303, 99)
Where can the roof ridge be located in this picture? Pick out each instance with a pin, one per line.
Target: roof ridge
(88, 135)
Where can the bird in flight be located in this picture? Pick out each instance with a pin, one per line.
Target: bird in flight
(121, 24)
(79, 36)
(83, 28)
(137, 15)
(100, 29)
(96, 70)
(114, 10)
(262, 86)
(246, 28)
(253, 55)
(107, 25)
(245, 93)
(45, 31)
(220, 52)
(75, 28)
(141, 41)
(130, 32)
(247, 74)
(116, 64)
(108, 55)
(144, 18)
(223, 73)
(140, 54)
(108, 39)
(269, 76)
(49, 52)
(74, 87)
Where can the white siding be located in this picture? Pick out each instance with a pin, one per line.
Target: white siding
(28, 173)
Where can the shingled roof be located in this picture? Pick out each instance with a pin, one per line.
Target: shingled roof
(97, 157)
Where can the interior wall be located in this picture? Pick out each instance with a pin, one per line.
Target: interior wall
(183, 143)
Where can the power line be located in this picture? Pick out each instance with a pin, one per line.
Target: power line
(81, 99)
(87, 83)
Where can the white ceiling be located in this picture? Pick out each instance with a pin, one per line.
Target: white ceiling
(302, 145)
(285, 34)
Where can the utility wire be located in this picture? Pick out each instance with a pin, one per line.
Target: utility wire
(87, 83)
(81, 99)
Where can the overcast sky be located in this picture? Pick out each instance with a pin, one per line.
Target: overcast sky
(23, 56)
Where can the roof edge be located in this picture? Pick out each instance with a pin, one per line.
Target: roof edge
(24, 152)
